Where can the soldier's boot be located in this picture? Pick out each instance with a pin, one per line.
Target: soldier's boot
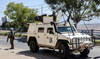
(12, 47)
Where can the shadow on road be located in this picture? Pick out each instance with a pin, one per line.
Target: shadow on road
(7, 49)
(23, 39)
(42, 54)
(47, 54)
(98, 57)
(0, 48)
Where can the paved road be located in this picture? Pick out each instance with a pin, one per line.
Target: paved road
(20, 43)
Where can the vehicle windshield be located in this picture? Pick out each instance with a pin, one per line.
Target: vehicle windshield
(66, 29)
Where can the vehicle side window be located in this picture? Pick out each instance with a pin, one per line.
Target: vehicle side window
(41, 30)
(49, 29)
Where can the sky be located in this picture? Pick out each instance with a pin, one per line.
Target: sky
(35, 4)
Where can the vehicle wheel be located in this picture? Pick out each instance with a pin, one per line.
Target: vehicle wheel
(85, 53)
(64, 51)
(33, 46)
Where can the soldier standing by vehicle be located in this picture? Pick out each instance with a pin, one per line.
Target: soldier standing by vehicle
(11, 37)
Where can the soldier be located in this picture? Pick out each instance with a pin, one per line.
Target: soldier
(11, 37)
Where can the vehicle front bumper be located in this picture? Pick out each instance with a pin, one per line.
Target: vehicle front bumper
(81, 44)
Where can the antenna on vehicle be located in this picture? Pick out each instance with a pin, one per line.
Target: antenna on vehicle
(85, 25)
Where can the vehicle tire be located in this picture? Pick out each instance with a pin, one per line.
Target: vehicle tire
(85, 53)
(33, 46)
(64, 51)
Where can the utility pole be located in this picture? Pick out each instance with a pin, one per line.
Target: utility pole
(41, 9)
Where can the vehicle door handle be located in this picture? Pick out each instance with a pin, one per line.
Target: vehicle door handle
(47, 37)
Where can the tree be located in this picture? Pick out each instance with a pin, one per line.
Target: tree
(4, 20)
(76, 10)
(20, 14)
(8, 24)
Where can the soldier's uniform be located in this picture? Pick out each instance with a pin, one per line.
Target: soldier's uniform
(11, 36)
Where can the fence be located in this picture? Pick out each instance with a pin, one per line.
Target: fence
(94, 33)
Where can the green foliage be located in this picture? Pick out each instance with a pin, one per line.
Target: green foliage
(3, 33)
(16, 35)
(76, 10)
(8, 24)
(20, 14)
(97, 42)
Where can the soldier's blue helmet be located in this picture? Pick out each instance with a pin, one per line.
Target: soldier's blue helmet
(11, 29)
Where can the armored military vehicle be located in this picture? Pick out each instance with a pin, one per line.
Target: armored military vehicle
(53, 35)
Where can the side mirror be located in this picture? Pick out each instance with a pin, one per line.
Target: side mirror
(51, 32)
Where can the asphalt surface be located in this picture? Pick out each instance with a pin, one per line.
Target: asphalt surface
(20, 43)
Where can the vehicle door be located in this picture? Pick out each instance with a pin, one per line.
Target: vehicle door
(40, 35)
(50, 38)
